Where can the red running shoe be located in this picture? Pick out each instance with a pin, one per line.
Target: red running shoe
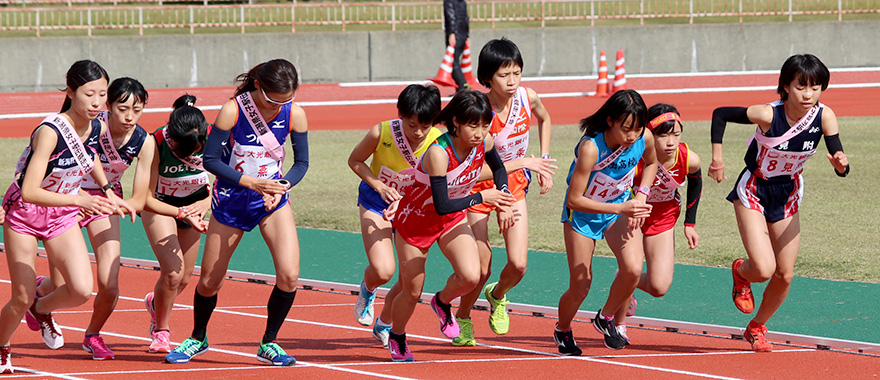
(755, 334)
(742, 290)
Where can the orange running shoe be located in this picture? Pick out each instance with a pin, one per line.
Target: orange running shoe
(754, 334)
(742, 290)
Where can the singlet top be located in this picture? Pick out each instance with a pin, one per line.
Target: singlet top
(127, 152)
(661, 191)
(388, 160)
(459, 186)
(785, 161)
(177, 178)
(63, 174)
(611, 184)
(245, 153)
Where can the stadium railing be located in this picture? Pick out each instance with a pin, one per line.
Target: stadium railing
(99, 14)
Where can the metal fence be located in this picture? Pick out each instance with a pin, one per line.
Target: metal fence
(291, 15)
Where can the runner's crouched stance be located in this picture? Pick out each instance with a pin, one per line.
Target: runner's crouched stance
(433, 209)
(245, 151)
(768, 192)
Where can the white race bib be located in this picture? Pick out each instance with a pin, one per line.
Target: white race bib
(393, 179)
(603, 188)
(254, 161)
(782, 163)
(182, 186)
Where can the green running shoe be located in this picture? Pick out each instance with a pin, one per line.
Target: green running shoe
(466, 336)
(499, 321)
(273, 354)
(187, 350)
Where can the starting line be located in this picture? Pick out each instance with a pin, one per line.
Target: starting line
(821, 343)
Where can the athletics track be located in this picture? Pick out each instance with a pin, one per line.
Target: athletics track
(321, 332)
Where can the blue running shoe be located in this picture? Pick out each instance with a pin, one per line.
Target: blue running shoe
(187, 350)
(273, 354)
(380, 332)
(363, 308)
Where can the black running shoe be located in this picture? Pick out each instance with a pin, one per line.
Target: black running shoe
(613, 340)
(566, 344)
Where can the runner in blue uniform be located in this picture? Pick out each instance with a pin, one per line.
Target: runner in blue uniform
(245, 151)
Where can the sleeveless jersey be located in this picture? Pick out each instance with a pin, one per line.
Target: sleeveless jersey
(63, 174)
(611, 184)
(419, 193)
(785, 161)
(388, 160)
(177, 178)
(245, 153)
(127, 152)
(663, 192)
(512, 143)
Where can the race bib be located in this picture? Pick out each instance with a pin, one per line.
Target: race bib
(182, 186)
(64, 181)
(254, 161)
(393, 179)
(774, 163)
(660, 194)
(603, 188)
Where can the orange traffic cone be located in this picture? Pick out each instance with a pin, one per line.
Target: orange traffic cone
(444, 74)
(619, 73)
(466, 68)
(602, 83)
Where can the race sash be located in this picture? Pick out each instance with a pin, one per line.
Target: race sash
(255, 119)
(455, 189)
(70, 138)
(106, 141)
(401, 142)
(509, 149)
(191, 161)
(608, 160)
(796, 129)
(665, 186)
(664, 178)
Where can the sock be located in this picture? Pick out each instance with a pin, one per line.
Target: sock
(364, 285)
(203, 307)
(444, 306)
(380, 322)
(278, 307)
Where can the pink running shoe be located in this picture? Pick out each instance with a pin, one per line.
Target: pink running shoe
(95, 345)
(633, 304)
(161, 341)
(49, 330)
(448, 326)
(31, 321)
(399, 349)
(148, 301)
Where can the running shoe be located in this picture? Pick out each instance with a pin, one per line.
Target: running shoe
(565, 343)
(448, 325)
(613, 340)
(363, 308)
(273, 354)
(50, 331)
(95, 345)
(380, 332)
(187, 350)
(466, 335)
(621, 329)
(151, 308)
(399, 349)
(31, 322)
(499, 321)
(743, 298)
(5, 360)
(161, 341)
(633, 304)
(755, 334)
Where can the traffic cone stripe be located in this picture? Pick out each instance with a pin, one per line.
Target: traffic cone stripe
(444, 74)
(602, 83)
(619, 73)
(466, 68)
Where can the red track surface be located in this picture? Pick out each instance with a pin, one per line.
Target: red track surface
(322, 334)
(705, 93)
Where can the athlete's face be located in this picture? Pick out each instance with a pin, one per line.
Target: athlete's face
(88, 99)
(273, 100)
(666, 143)
(802, 96)
(623, 132)
(506, 79)
(125, 115)
(414, 130)
(473, 133)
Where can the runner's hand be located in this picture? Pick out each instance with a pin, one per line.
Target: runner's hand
(506, 218)
(389, 212)
(838, 160)
(497, 197)
(635, 208)
(690, 233)
(389, 194)
(717, 174)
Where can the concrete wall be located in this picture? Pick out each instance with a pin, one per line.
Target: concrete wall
(39, 64)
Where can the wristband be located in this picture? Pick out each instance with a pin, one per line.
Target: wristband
(716, 168)
(546, 156)
(643, 189)
(181, 211)
(108, 186)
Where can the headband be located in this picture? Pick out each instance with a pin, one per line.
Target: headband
(669, 116)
